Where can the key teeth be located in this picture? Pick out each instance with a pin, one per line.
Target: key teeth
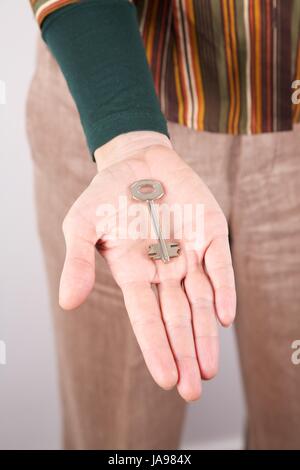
(154, 256)
(178, 251)
(155, 253)
(175, 249)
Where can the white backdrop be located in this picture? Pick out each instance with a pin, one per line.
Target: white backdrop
(29, 402)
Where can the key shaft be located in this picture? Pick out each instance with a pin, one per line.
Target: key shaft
(158, 232)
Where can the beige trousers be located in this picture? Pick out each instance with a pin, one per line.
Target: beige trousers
(109, 399)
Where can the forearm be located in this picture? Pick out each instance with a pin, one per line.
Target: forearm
(126, 145)
(98, 47)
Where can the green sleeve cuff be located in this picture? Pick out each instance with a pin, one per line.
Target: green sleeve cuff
(98, 47)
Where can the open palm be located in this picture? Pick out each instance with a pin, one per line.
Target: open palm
(173, 307)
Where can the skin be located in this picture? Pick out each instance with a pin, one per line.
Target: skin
(177, 326)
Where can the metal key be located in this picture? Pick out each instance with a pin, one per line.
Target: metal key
(162, 250)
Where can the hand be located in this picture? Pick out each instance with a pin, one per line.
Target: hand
(177, 327)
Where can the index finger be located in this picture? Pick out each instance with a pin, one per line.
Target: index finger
(145, 316)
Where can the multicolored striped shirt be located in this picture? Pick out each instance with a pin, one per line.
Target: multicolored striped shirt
(219, 65)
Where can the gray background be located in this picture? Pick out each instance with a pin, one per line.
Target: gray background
(29, 404)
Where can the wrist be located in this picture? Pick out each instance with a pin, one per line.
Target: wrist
(126, 145)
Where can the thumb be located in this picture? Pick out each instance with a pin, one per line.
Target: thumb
(78, 275)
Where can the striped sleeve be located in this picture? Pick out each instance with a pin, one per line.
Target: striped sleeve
(43, 8)
(98, 46)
